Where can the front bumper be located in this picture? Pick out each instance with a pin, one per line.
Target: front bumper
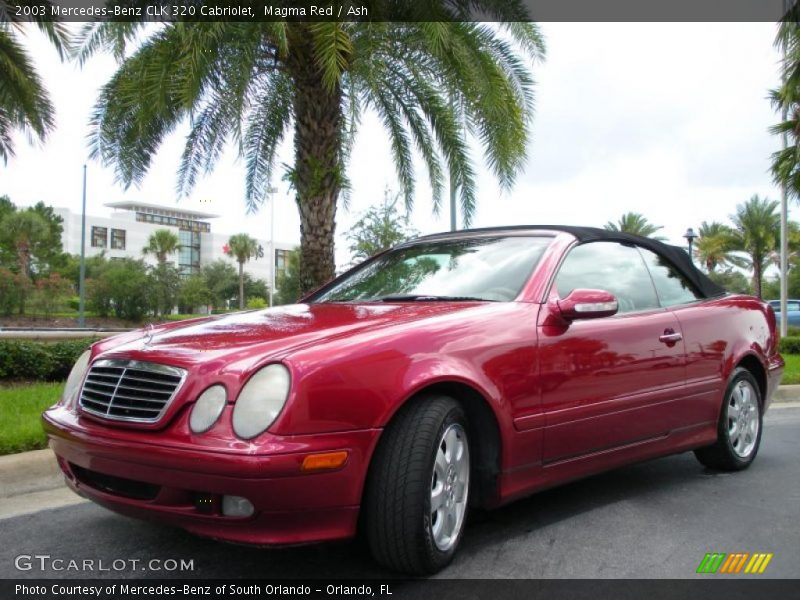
(165, 482)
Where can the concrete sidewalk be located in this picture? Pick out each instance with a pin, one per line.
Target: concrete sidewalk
(32, 481)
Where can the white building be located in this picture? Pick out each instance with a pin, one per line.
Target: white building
(125, 232)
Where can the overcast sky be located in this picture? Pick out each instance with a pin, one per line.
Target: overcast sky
(669, 120)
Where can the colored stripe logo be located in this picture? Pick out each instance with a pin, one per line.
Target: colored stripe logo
(734, 563)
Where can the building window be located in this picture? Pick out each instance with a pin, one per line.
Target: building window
(187, 224)
(118, 239)
(281, 256)
(99, 237)
(189, 252)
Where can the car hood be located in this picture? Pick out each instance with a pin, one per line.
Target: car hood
(273, 332)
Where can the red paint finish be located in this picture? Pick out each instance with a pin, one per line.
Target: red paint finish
(568, 399)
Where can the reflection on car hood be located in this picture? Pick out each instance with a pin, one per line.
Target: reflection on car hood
(274, 331)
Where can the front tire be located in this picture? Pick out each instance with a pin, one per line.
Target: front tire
(418, 489)
(739, 427)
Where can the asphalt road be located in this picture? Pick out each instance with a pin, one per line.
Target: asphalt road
(653, 520)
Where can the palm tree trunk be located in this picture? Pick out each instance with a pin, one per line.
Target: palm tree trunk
(757, 277)
(317, 174)
(241, 285)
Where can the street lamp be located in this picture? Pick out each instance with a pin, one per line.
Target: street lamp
(690, 236)
(271, 191)
(82, 271)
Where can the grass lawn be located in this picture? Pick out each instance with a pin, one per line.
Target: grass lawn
(791, 374)
(20, 407)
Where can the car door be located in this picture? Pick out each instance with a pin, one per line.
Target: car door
(705, 338)
(608, 382)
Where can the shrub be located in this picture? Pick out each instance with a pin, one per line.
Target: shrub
(194, 292)
(790, 345)
(121, 287)
(256, 303)
(51, 293)
(21, 359)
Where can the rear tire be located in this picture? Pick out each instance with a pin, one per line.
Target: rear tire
(739, 427)
(418, 488)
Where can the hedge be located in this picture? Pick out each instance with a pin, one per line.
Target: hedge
(39, 361)
(790, 345)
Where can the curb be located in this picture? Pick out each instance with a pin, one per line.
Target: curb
(37, 471)
(28, 472)
(787, 393)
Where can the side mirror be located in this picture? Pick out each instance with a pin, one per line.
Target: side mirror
(588, 304)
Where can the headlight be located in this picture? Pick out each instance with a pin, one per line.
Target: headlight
(207, 409)
(74, 380)
(260, 401)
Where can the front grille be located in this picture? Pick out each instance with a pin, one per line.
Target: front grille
(130, 390)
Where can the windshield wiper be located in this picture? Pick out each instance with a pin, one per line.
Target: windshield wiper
(429, 298)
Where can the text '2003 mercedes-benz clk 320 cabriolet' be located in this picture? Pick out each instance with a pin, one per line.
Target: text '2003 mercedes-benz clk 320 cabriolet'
(455, 370)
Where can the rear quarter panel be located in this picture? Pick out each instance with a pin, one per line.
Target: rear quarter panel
(720, 333)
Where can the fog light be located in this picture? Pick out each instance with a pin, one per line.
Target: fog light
(236, 506)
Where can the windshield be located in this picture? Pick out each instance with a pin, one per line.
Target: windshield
(490, 269)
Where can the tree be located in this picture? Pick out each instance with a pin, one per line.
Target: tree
(69, 265)
(287, 282)
(378, 228)
(756, 234)
(51, 248)
(432, 74)
(121, 287)
(242, 247)
(35, 232)
(161, 244)
(24, 232)
(164, 283)
(222, 282)
(13, 289)
(786, 99)
(255, 288)
(51, 293)
(6, 206)
(193, 292)
(732, 280)
(635, 224)
(714, 245)
(25, 105)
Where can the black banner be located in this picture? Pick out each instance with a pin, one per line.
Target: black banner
(394, 10)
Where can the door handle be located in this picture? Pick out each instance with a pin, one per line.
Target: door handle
(670, 337)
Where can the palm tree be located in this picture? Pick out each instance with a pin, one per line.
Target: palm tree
(433, 83)
(25, 105)
(635, 224)
(756, 234)
(242, 247)
(714, 245)
(786, 98)
(162, 243)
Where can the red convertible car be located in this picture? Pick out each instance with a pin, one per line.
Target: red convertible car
(455, 370)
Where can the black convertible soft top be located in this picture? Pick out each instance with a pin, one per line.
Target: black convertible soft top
(676, 255)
